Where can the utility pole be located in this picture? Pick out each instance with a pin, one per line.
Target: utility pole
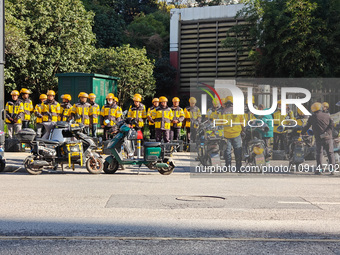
(2, 61)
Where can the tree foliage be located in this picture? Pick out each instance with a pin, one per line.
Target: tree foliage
(108, 25)
(131, 65)
(151, 31)
(290, 38)
(44, 38)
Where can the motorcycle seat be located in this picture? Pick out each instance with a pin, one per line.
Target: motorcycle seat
(48, 141)
(152, 144)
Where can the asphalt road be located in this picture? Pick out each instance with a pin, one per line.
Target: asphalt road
(148, 213)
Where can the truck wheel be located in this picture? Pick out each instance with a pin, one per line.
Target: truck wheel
(94, 165)
(111, 168)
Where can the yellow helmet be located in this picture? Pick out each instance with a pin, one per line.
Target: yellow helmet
(110, 96)
(51, 93)
(175, 99)
(66, 96)
(83, 94)
(325, 104)
(92, 95)
(163, 99)
(43, 97)
(229, 99)
(25, 91)
(279, 102)
(300, 112)
(15, 93)
(137, 97)
(258, 150)
(192, 100)
(116, 99)
(316, 107)
(155, 100)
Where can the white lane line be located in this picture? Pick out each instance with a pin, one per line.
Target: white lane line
(309, 203)
(132, 238)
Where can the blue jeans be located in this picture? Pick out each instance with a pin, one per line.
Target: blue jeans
(235, 143)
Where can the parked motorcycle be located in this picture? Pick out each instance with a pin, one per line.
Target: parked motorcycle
(155, 153)
(66, 145)
(256, 152)
(208, 144)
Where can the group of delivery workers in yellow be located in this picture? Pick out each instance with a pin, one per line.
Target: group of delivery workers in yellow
(165, 123)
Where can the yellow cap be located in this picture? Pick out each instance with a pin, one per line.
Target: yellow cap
(175, 99)
(192, 100)
(15, 93)
(316, 107)
(325, 104)
(66, 96)
(299, 111)
(279, 102)
(83, 94)
(137, 97)
(51, 93)
(92, 95)
(163, 99)
(25, 91)
(155, 100)
(43, 97)
(116, 99)
(215, 103)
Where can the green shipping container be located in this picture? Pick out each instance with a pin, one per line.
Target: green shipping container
(74, 83)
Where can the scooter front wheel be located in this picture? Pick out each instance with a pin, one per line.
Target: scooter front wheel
(94, 165)
(111, 168)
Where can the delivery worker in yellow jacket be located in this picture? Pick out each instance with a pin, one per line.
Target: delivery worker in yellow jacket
(28, 106)
(81, 111)
(65, 108)
(162, 117)
(155, 104)
(14, 114)
(192, 119)
(94, 114)
(50, 110)
(212, 113)
(177, 121)
(137, 112)
(38, 114)
(111, 114)
(232, 127)
(279, 136)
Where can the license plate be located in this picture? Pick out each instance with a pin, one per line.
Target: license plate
(260, 160)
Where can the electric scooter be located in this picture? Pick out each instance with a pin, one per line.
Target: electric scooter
(154, 152)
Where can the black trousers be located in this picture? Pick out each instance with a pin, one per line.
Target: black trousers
(152, 131)
(25, 124)
(165, 134)
(175, 134)
(279, 142)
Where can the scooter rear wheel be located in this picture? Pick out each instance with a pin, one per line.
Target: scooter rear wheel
(32, 170)
(111, 168)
